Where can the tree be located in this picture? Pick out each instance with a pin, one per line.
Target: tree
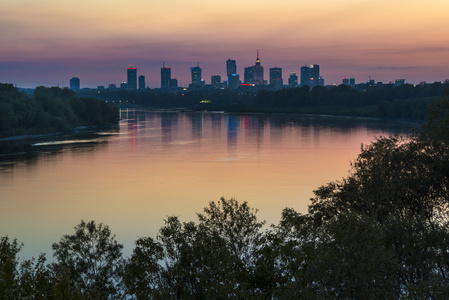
(8, 267)
(91, 258)
(215, 258)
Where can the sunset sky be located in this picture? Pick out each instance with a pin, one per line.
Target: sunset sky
(46, 42)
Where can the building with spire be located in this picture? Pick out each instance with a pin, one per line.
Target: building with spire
(254, 74)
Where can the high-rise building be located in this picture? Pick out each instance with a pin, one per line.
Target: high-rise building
(258, 71)
(196, 75)
(345, 81)
(254, 74)
(314, 75)
(74, 84)
(215, 81)
(165, 77)
(311, 76)
(276, 80)
(248, 75)
(141, 82)
(305, 76)
(233, 81)
(352, 82)
(293, 80)
(132, 78)
(231, 67)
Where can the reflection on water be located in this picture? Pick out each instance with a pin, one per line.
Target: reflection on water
(161, 163)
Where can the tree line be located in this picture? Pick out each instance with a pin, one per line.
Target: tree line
(50, 110)
(382, 232)
(403, 102)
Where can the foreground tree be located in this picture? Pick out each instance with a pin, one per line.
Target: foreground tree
(382, 232)
(215, 257)
(91, 260)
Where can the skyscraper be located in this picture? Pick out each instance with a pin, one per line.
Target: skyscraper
(231, 67)
(132, 78)
(311, 76)
(141, 82)
(75, 84)
(254, 74)
(293, 80)
(248, 75)
(165, 77)
(314, 75)
(305, 76)
(258, 71)
(276, 80)
(196, 75)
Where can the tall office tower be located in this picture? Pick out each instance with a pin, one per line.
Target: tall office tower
(165, 77)
(132, 78)
(352, 82)
(276, 80)
(196, 75)
(248, 75)
(293, 80)
(231, 67)
(75, 84)
(345, 81)
(258, 71)
(233, 81)
(141, 82)
(215, 81)
(314, 75)
(305, 76)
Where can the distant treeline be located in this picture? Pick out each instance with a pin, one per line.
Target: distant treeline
(160, 99)
(50, 110)
(403, 102)
(380, 233)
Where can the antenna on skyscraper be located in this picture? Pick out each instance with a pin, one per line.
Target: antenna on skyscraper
(163, 64)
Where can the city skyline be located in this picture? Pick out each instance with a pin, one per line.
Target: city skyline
(47, 42)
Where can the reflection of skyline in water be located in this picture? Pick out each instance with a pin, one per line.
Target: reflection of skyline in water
(163, 163)
(174, 130)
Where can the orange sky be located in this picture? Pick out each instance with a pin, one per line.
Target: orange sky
(48, 41)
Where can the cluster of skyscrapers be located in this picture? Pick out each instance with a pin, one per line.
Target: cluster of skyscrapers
(253, 76)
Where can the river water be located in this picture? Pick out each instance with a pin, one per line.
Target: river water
(156, 164)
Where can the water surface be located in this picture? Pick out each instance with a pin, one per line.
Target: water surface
(161, 163)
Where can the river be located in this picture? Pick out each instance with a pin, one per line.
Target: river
(156, 164)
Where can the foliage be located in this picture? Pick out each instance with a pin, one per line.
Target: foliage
(49, 110)
(380, 233)
(91, 258)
